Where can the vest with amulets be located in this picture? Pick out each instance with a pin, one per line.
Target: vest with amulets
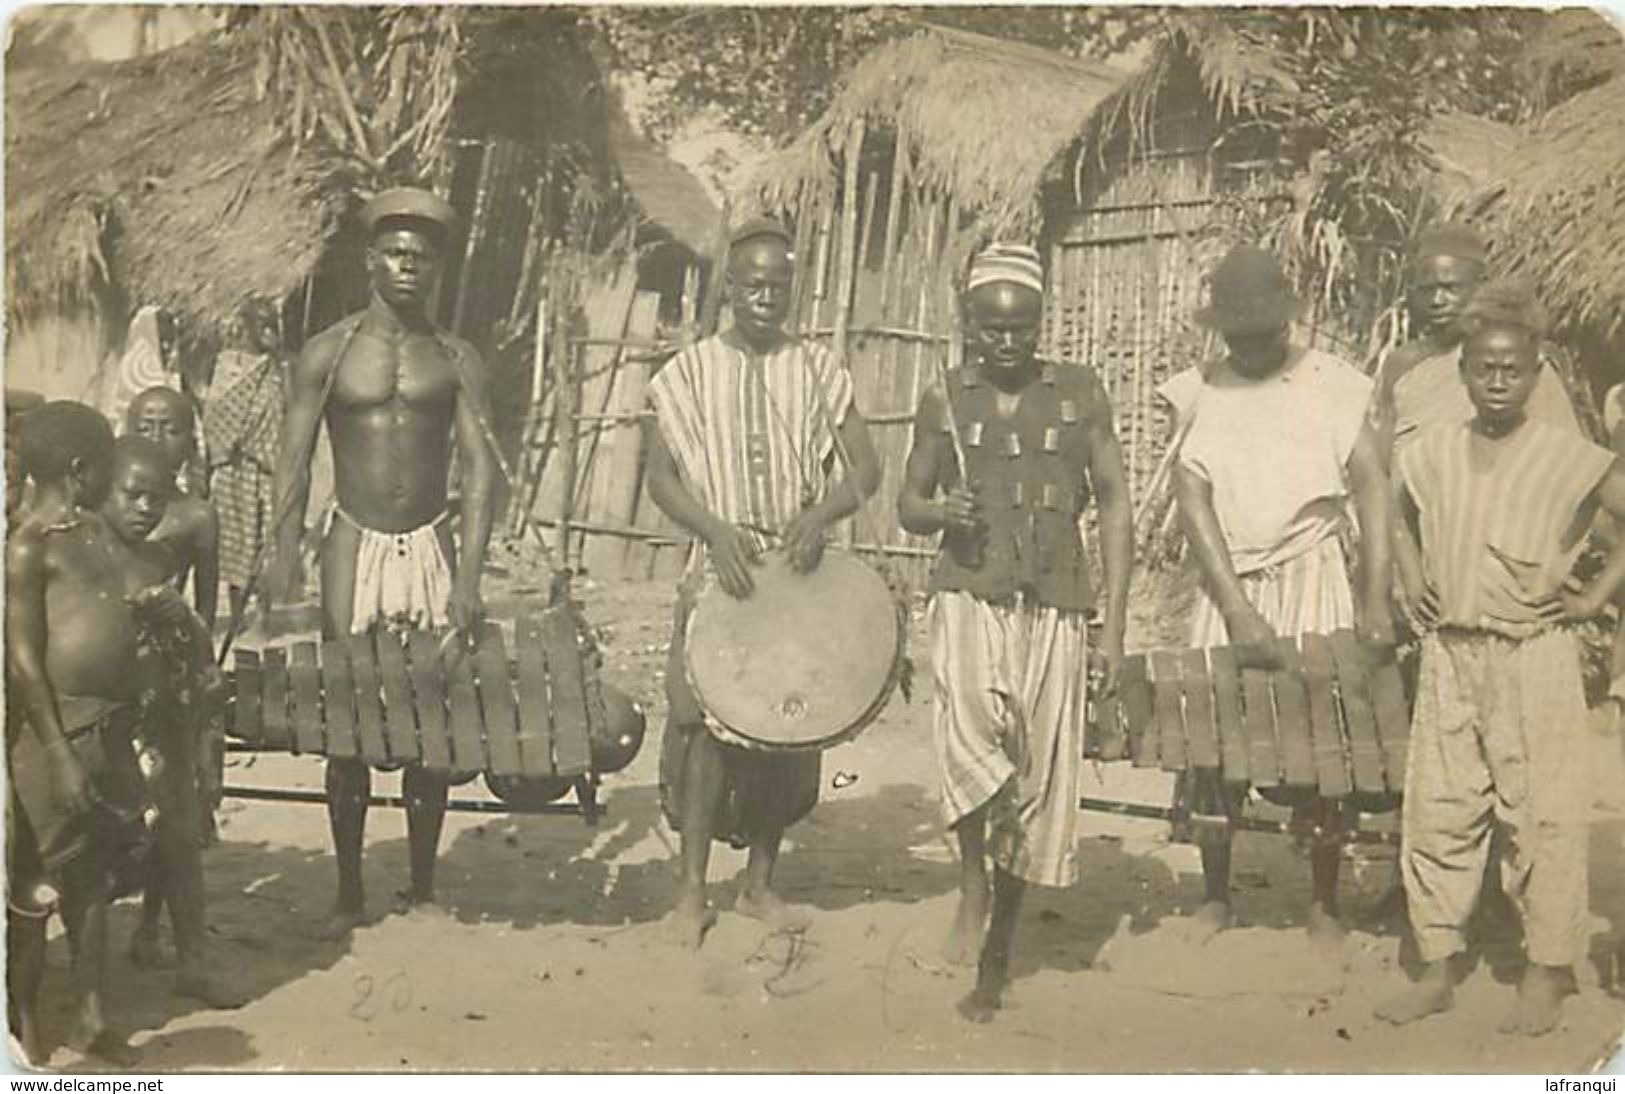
(1030, 471)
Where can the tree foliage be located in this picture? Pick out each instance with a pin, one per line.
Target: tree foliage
(769, 71)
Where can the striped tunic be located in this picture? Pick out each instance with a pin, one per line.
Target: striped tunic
(1431, 393)
(1500, 519)
(752, 436)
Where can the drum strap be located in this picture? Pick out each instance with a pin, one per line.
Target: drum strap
(843, 455)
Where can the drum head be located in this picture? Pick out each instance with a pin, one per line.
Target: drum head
(806, 661)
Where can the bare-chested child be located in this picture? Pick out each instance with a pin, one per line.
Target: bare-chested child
(1501, 505)
(191, 530)
(179, 688)
(70, 662)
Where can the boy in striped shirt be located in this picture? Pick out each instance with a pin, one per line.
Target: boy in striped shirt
(1502, 504)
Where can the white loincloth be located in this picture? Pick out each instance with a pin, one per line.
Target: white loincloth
(402, 579)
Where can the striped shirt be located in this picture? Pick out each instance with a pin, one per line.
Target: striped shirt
(752, 436)
(1432, 392)
(1498, 519)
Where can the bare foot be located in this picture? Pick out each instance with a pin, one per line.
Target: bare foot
(147, 952)
(964, 941)
(339, 923)
(1326, 932)
(769, 908)
(1430, 995)
(421, 905)
(1211, 918)
(980, 1005)
(1540, 1002)
(992, 981)
(104, 1044)
(199, 985)
(686, 924)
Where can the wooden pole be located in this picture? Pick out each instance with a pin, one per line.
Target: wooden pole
(569, 405)
(847, 268)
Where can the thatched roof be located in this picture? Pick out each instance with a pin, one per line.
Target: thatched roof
(981, 118)
(196, 176)
(1550, 192)
(162, 176)
(667, 192)
(1201, 61)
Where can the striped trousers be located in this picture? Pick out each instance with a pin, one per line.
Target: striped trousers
(1011, 682)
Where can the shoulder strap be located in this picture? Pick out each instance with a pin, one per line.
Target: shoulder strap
(461, 365)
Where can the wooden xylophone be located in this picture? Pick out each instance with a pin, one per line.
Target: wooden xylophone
(388, 702)
(1331, 721)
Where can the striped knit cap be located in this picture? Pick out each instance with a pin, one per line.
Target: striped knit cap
(1015, 263)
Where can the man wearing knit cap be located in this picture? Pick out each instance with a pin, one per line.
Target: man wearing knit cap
(1273, 446)
(745, 432)
(396, 394)
(1007, 451)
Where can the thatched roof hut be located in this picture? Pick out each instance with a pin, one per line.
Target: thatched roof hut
(162, 179)
(978, 117)
(933, 144)
(229, 165)
(1549, 193)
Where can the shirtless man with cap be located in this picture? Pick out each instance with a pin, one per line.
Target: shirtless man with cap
(396, 394)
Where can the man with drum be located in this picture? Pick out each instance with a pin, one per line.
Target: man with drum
(747, 427)
(1014, 445)
(1274, 446)
(397, 394)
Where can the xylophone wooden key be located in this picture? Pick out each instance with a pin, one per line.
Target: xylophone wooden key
(274, 713)
(429, 693)
(1201, 726)
(304, 681)
(497, 702)
(400, 715)
(245, 666)
(1326, 735)
(1292, 719)
(1166, 690)
(535, 704)
(1139, 712)
(571, 750)
(1358, 714)
(369, 703)
(467, 740)
(1227, 711)
(338, 696)
(1263, 746)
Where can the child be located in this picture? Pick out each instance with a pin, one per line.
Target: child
(1010, 600)
(179, 686)
(71, 658)
(191, 530)
(1503, 503)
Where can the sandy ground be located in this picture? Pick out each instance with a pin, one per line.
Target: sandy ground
(551, 956)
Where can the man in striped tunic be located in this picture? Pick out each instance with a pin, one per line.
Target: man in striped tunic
(1010, 599)
(1502, 504)
(742, 448)
(1273, 447)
